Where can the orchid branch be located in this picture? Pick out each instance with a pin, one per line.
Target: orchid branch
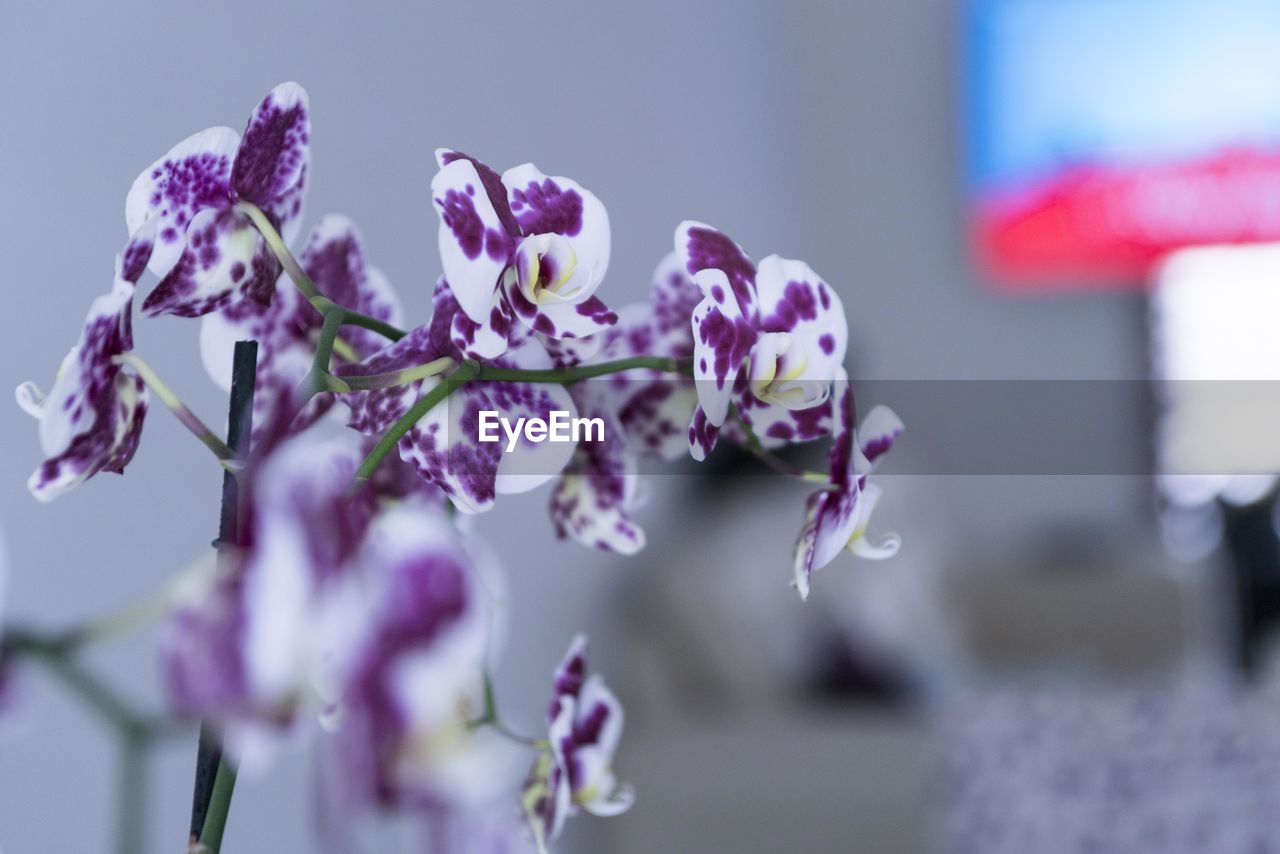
(304, 282)
(175, 405)
(575, 374)
(395, 378)
(491, 719)
(459, 378)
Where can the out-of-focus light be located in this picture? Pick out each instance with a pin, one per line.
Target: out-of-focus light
(1217, 354)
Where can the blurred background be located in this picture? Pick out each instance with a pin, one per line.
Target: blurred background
(1068, 654)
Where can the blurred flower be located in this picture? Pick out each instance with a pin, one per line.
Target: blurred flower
(183, 207)
(576, 773)
(593, 499)
(286, 328)
(444, 446)
(415, 678)
(520, 246)
(654, 407)
(837, 518)
(92, 417)
(273, 627)
(782, 323)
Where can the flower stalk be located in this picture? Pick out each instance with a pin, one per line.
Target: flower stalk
(465, 373)
(304, 282)
(174, 404)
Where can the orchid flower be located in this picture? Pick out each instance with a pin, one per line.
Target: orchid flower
(256, 640)
(577, 773)
(444, 446)
(653, 407)
(91, 419)
(644, 411)
(415, 679)
(594, 497)
(520, 247)
(183, 208)
(768, 340)
(286, 328)
(837, 518)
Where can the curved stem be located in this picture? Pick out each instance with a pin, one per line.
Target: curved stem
(773, 461)
(583, 372)
(490, 718)
(319, 379)
(395, 378)
(278, 248)
(463, 375)
(175, 405)
(373, 324)
(54, 654)
(304, 282)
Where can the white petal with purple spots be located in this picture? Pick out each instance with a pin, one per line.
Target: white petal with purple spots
(722, 339)
(545, 204)
(193, 176)
(475, 247)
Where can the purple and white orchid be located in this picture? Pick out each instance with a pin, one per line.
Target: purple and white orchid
(415, 677)
(183, 208)
(837, 518)
(350, 598)
(444, 446)
(576, 774)
(521, 247)
(768, 340)
(287, 327)
(91, 419)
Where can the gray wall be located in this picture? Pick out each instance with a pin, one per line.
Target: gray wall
(820, 131)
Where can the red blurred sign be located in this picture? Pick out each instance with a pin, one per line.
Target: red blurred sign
(1105, 134)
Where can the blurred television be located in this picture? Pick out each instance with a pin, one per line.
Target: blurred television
(1103, 134)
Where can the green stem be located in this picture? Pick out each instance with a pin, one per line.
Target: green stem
(491, 719)
(319, 379)
(373, 324)
(300, 278)
(131, 832)
(278, 248)
(395, 378)
(215, 822)
(582, 372)
(54, 654)
(175, 405)
(463, 375)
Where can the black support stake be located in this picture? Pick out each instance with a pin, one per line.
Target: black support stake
(239, 426)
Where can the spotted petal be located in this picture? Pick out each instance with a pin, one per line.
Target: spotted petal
(776, 426)
(271, 162)
(487, 339)
(797, 303)
(416, 664)
(593, 500)
(445, 449)
(722, 339)
(474, 237)
(334, 258)
(557, 205)
(193, 176)
(224, 258)
(876, 436)
(91, 419)
(702, 247)
(673, 298)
